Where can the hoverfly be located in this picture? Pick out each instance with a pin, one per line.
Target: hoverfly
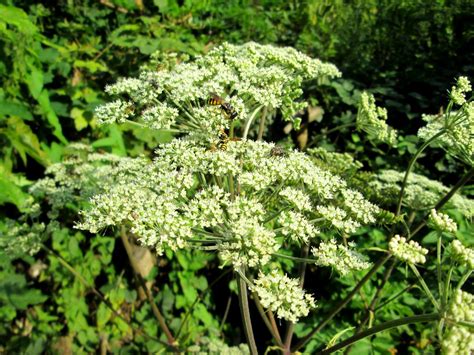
(216, 100)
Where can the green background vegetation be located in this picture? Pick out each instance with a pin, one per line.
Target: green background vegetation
(55, 60)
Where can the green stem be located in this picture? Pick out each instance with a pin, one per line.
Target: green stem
(273, 330)
(249, 122)
(463, 280)
(438, 261)
(146, 290)
(295, 258)
(410, 167)
(261, 127)
(381, 327)
(343, 303)
(446, 287)
(245, 312)
(424, 285)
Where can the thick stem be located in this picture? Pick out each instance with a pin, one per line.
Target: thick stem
(381, 327)
(146, 290)
(245, 312)
(343, 303)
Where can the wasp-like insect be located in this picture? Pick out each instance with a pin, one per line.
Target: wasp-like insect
(278, 151)
(216, 100)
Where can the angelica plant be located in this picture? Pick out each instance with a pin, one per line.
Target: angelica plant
(258, 207)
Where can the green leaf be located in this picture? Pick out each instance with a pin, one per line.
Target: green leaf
(25, 141)
(53, 119)
(91, 65)
(8, 108)
(15, 292)
(11, 193)
(103, 316)
(17, 17)
(34, 80)
(80, 121)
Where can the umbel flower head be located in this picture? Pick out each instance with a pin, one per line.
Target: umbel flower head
(343, 259)
(420, 192)
(283, 295)
(456, 127)
(442, 222)
(459, 339)
(461, 254)
(241, 202)
(409, 251)
(371, 119)
(248, 77)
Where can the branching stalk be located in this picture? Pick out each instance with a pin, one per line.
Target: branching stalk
(245, 312)
(381, 327)
(141, 281)
(424, 285)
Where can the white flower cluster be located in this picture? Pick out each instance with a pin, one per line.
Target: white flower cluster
(212, 346)
(297, 227)
(337, 217)
(459, 339)
(371, 119)
(117, 111)
(18, 239)
(458, 92)
(338, 163)
(190, 193)
(458, 126)
(411, 251)
(463, 255)
(442, 222)
(296, 198)
(420, 192)
(247, 76)
(283, 295)
(343, 259)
